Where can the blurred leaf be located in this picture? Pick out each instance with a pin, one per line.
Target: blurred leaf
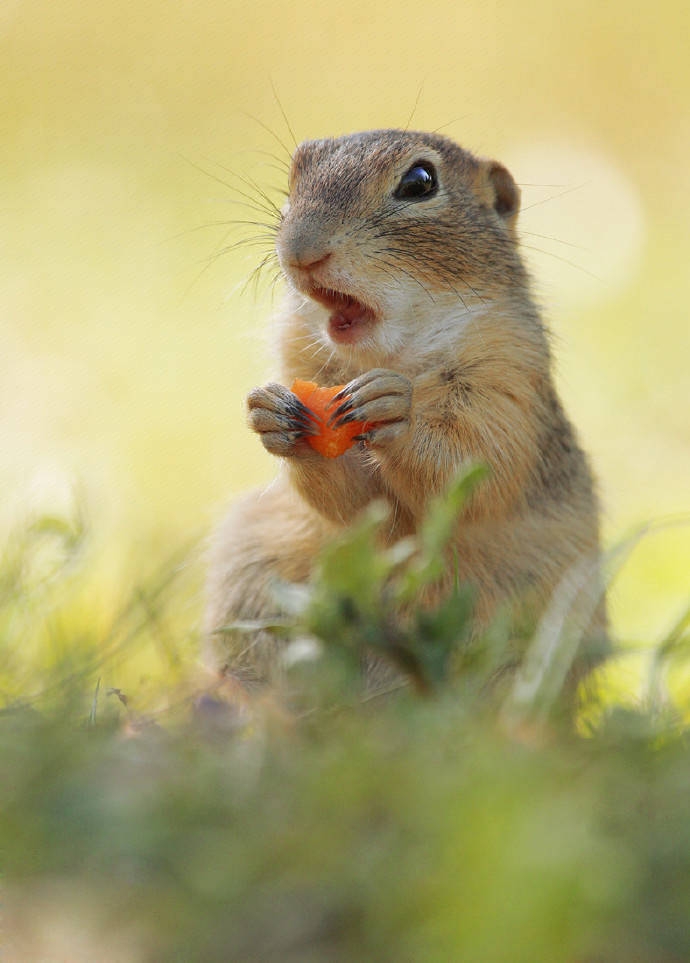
(444, 511)
(440, 633)
(354, 567)
(436, 533)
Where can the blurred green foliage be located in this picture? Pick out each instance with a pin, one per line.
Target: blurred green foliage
(439, 820)
(360, 591)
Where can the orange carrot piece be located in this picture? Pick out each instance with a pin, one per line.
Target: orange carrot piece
(330, 442)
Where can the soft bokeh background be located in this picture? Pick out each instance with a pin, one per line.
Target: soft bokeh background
(127, 345)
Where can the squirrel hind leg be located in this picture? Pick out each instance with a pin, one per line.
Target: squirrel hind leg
(268, 536)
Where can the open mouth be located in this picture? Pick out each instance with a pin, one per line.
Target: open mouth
(349, 319)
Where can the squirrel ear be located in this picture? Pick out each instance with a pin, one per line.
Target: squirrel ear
(498, 189)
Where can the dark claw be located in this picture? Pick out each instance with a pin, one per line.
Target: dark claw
(340, 410)
(305, 428)
(300, 411)
(347, 403)
(354, 415)
(296, 421)
(363, 437)
(343, 393)
(302, 419)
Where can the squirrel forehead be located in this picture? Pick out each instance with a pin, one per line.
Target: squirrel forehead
(346, 164)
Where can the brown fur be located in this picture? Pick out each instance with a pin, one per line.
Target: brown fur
(461, 372)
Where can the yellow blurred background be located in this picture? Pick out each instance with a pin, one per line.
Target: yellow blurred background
(127, 344)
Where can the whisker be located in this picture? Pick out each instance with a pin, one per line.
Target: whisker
(253, 203)
(395, 266)
(448, 276)
(249, 182)
(449, 123)
(283, 170)
(556, 240)
(277, 276)
(257, 241)
(211, 260)
(282, 111)
(554, 197)
(326, 364)
(316, 347)
(198, 167)
(208, 224)
(239, 222)
(268, 207)
(255, 275)
(414, 106)
(283, 165)
(306, 338)
(216, 255)
(268, 131)
(572, 264)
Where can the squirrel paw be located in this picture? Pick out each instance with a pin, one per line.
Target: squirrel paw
(280, 419)
(380, 397)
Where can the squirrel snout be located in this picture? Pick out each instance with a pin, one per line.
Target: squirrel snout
(303, 248)
(308, 260)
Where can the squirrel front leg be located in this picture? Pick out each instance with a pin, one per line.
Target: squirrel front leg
(425, 431)
(337, 488)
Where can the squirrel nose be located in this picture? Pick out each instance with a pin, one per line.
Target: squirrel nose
(308, 260)
(303, 245)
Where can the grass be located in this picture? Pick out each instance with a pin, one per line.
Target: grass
(146, 815)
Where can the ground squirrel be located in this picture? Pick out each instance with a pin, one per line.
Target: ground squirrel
(404, 280)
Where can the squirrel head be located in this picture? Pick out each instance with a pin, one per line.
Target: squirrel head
(391, 234)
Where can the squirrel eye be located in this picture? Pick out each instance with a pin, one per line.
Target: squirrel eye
(419, 181)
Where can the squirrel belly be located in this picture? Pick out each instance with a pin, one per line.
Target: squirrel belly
(404, 282)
